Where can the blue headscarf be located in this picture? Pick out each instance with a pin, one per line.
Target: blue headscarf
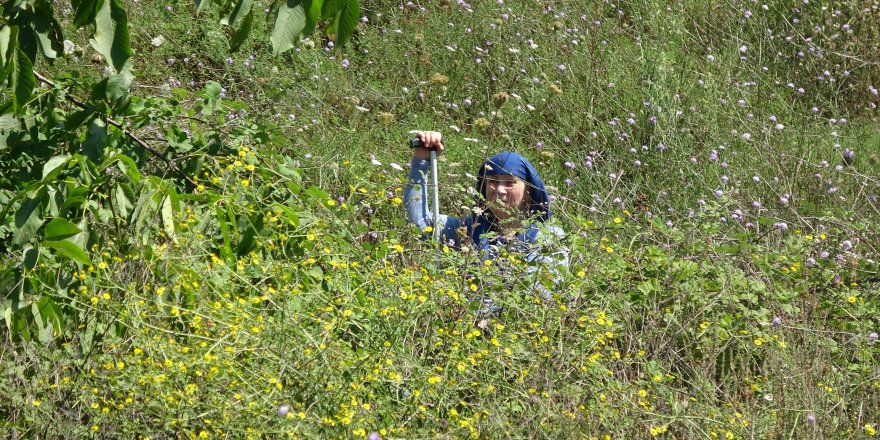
(539, 206)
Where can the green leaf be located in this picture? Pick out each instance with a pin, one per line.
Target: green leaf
(22, 80)
(313, 14)
(84, 12)
(330, 8)
(70, 250)
(222, 220)
(127, 166)
(122, 200)
(289, 23)
(59, 229)
(168, 216)
(111, 34)
(49, 318)
(54, 166)
(28, 218)
(239, 12)
(119, 84)
(347, 21)
(47, 31)
(8, 44)
(212, 89)
(242, 33)
(30, 257)
(93, 146)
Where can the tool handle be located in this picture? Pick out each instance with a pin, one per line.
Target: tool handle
(417, 143)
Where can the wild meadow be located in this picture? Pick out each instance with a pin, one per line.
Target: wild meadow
(204, 236)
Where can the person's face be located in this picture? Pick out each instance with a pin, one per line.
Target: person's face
(505, 195)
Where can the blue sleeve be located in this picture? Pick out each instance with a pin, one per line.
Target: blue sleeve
(415, 198)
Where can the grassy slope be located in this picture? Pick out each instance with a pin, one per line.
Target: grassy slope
(671, 328)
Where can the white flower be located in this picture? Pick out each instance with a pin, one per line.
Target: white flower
(156, 42)
(69, 47)
(396, 166)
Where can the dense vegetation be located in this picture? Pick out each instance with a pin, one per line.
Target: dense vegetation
(203, 238)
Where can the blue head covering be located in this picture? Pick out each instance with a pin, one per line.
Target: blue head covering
(539, 206)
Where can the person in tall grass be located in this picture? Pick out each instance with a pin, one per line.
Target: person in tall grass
(512, 205)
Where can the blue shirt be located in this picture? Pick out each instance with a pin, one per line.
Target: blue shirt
(541, 252)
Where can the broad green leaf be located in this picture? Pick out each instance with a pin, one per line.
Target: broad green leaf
(313, 14)
(49, 318)
(47, 31)
(30, 257)
(289, 23)
(93, 146)
(7, 316)
(54, 166)
(84, 12)
(8, 43)
(111, 34)
(28, 218)
(22, 80)
(59, 229)
(119, 84)
(202, 5)
(242, 32)
(347, 21)
(168, 216)
(330, 8)
(127, 166)
(238, 14)
(212, 89)
(70, 250)
(222, 220)
(122, 200)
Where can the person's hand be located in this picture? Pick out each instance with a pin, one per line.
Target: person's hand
(429, 138)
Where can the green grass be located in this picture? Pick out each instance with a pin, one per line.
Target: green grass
(684, 313)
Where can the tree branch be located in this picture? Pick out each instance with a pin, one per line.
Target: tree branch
(112, 122)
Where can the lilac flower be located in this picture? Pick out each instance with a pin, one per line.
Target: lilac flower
(669, 223)
(374, 436)
(710, 58)
(782, 226)
(570, 165)
(824, 254)
(811, 419)
(168, 8)
(569, 182)
(637, 163)
(777, 321)
(713, 156)
(846, 245)
(811, 261)
(873, 337)
(345, 63)
(719, 193)
(283, 410)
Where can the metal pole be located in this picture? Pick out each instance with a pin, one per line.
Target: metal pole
(436, 204)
